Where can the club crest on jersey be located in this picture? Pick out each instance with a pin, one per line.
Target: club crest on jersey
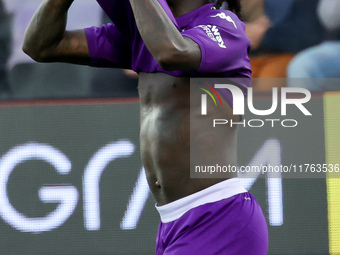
(222, 15)
(214, 34)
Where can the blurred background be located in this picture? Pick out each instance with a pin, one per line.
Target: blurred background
(21, 78)
(71, 179)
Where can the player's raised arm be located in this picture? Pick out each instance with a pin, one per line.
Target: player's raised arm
(171, 50)
(46, 39)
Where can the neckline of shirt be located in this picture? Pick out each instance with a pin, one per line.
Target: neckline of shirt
(185, 19)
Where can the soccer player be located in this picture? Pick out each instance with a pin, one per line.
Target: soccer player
(167, 42)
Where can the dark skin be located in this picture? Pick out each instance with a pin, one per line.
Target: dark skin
(164, 99)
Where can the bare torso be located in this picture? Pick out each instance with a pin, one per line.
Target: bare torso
(165, 102)
(165, 137)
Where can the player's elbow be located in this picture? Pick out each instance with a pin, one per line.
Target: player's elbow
(167, 65)
(173, 59)
(36, 55)
(167, 61)
(35, 52)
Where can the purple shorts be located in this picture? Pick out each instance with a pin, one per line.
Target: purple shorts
(222, 219)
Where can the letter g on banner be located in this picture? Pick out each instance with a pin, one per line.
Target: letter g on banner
(66, 196)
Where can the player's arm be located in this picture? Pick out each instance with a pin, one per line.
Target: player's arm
(171, 50)
(46, 38)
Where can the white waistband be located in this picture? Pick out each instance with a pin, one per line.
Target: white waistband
(217, 192)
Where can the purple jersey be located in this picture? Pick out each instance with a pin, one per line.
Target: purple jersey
(219, 33)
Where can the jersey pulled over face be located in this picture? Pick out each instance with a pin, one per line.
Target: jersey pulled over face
(219, 33)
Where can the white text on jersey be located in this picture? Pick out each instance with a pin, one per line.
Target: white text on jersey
(214, 34)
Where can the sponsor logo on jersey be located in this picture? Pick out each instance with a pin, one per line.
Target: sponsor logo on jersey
(214, 34)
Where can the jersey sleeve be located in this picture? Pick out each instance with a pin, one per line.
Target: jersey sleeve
(108, 47)
(222, 40)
